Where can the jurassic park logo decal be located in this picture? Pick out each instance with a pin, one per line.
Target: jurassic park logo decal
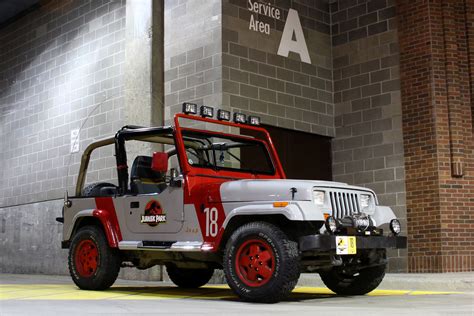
(154, 214)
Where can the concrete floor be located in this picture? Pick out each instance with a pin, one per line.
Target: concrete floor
(53, 295)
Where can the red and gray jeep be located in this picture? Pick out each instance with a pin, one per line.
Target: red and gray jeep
(208, 196)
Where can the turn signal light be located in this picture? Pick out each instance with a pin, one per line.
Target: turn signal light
(280, 204)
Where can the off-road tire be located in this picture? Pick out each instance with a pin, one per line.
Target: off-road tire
(93, 251)
(284, 263)
(189, 278)
(93, 189)
(346, 284)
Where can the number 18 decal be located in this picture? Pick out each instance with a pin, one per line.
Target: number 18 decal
(211, 221)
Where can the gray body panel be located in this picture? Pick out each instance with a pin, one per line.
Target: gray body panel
(238, 198)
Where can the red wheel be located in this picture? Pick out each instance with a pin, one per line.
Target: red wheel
(93, 265)
(255, 262)
(86, 258)
(261, 264)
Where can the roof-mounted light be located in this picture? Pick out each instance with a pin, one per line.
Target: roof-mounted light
(253, 120)
(189, 108)
(223, 115)
(206, 111)
(240, 118)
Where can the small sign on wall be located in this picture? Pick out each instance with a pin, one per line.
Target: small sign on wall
(74, 141)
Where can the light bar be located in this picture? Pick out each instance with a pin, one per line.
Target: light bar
(240, 118)
(253, 120)
(189, 108)
(207, 111)
(223, 115)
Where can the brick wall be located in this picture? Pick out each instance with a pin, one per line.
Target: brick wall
(60, 69)
(284, 92)
(368, 147)
(437, 81)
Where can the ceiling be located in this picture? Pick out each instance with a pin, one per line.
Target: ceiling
(10, 8)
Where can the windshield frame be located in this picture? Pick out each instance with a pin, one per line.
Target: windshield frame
(266, 139)
(188, 132)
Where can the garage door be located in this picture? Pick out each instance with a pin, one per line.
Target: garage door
(303, 155)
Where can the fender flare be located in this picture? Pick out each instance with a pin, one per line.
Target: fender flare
(110, 225)
(382, 216)
(108, 220)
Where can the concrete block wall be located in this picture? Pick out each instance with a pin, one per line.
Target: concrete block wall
(368, 147)
(284, 92)
(60, 69)
(192, 54)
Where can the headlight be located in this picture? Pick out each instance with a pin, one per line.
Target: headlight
(364, 200)
(395, 226)
(331, 224)
(318, 197)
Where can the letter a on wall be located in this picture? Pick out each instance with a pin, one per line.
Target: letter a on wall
(287, 44)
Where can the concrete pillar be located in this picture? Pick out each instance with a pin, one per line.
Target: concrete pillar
(157, 64)
(143, 93)
(144, 63)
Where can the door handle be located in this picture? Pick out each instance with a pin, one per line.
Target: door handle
(134, 204)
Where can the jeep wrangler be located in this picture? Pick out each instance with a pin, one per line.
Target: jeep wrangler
(201, 195)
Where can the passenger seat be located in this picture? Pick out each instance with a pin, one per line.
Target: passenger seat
(143, 179)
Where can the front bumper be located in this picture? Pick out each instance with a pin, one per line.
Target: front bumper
(328, 242)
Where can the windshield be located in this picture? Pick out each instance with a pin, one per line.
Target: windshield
(227, 152)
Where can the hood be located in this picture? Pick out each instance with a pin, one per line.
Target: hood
(277, 189)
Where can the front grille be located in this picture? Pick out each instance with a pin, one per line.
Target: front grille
(344, 203)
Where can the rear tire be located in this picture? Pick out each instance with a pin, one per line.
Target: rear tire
(189, 278)
(343, 283)
(261, 263)
(93, 265)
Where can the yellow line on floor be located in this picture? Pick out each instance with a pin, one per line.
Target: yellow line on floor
(326, 291)
(213, 292)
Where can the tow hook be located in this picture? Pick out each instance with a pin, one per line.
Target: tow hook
(336, 260)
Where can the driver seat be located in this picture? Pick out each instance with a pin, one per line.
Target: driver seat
(143, 179)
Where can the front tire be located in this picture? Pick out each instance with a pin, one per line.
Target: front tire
(93, 265)
(261, 263)
(189, 278)
(344, 283)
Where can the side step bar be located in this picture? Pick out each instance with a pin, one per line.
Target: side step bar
(161, 245)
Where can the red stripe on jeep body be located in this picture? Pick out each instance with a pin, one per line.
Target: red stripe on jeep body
(202, 185)
(105, 212)
(204, 194)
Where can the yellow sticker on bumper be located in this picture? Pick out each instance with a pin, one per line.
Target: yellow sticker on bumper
(346, 245)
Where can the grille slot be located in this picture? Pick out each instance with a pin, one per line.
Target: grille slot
(344, 203)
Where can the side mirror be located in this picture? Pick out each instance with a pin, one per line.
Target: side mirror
(160, 162)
